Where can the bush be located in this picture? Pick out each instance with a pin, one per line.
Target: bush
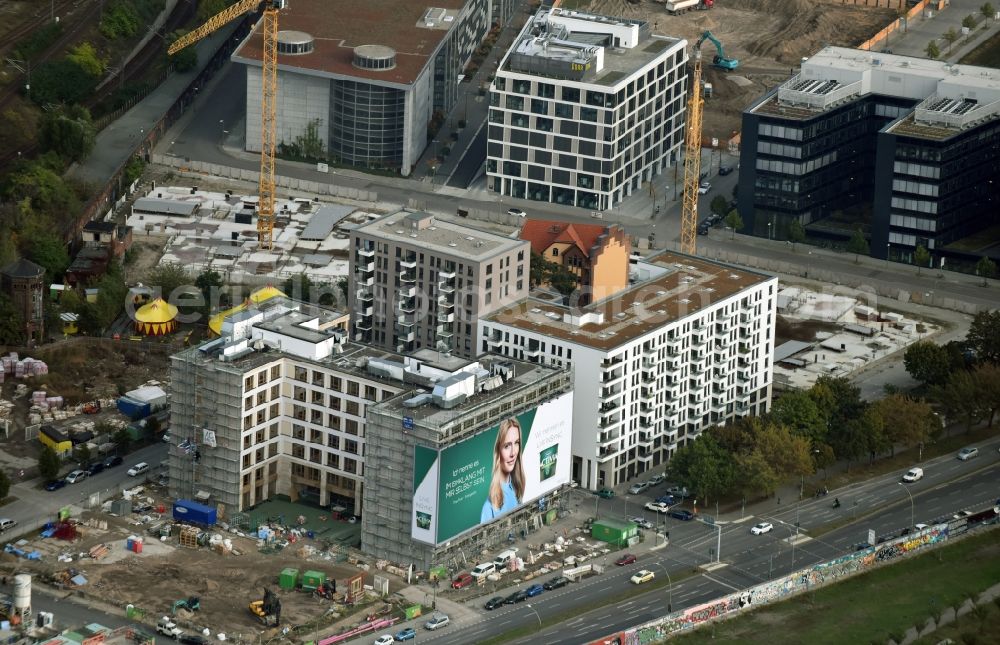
(38, 41)
(61, 81)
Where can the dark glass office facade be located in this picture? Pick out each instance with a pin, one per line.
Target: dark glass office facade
(367, 124)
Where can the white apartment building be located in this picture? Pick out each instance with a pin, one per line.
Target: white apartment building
(687, 346)
(584, 108)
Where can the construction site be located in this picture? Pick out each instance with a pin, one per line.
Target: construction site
(768, 38)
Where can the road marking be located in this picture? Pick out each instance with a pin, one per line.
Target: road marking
(724, 584)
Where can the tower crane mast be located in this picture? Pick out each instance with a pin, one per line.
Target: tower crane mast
(268, 100)
(692, 159)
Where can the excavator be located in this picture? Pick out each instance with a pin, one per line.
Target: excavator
(720, 59)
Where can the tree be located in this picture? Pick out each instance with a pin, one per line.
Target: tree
(111, 294)
(702, 466)
(986, 269)
(755, 475)
(788, 454)
(208, 8)
(11, 322)
(960, 398)
(49, 463)
(838, 399)
(17, 127)
(38, 189)
(86, 58)
(69, 132)
(796, 233)
(46, 249)
(719, 205)
(82, 453)
(61, 81)
(734, 222)
(121, 20)
(797, 411)
(905, 420)
(987, 11)
(932, 50)
(927, 362)
(4, 485)
(921, 257)
(857, 245)
(122, 439)
(969, 22)
(167, 278)
(984, 336)
(186, 59)
(555, 275)
(210, 284)
(987, 379)
(950, 37)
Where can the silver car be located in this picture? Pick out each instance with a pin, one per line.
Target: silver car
(966, 454)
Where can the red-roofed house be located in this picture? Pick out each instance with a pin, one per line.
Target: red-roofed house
(598, 255)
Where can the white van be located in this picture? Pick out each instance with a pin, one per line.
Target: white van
(483, 570)
(913, 474)
(504, 558)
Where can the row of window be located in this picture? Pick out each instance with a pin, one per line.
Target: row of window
(793, 168)
(916, 169)
(780, 132)
(908, 221)
(915, 187)
(919, 205)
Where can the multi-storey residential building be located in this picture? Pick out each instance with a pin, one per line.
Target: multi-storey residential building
(584, 109)
(362, 80)
(416, 282)
(433, 453)
(596, 255)
(276, 405)
(904, 147)
(689, 346)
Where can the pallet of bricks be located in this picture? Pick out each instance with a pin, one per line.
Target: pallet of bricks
(188, 537)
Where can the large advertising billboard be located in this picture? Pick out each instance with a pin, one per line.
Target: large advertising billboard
(490, 474)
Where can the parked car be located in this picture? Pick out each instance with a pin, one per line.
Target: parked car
(192, 639)
(913, 474)
(138, 469)
(761, 528)
(655, 480)
(606, 493)
(7, 524)
(704, 188)
(535, 590)
(55, 484)
(703, 228)
(641, 577)
(406, 634)
(658, 507)
(725, 170)
(679, 492)
(518, 596)
(516, 212)
(641, 522)
(94, 468)
(76, 477)
(666, 499)
(437, 621)
(493, 603)
(627, 558)
(682, 515)
(637, 488)
(961, 515)
(384, 639)
(112, 461)
(556, 583)
(966, 454)
(462, 581)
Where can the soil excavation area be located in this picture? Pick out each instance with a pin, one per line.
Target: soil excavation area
(768, 37)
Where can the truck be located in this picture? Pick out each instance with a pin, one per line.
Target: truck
(675, 7)
(168, 628)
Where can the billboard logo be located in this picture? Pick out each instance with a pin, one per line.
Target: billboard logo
(423, 520)
(547, 462)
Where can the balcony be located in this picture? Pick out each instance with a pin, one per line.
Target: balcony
(364, 281)
(446, 316)
(612, 421)
(495, 341)
(365, 311)
(366, 253)
(612, 362)
(647, 407)
(646, 422)
(746, 318)
(718, 405)
(408, 277)
(364, 324)
(407, 305)
(648, 377)
(611, 405)
(699, 339)
(446, 288)
(645, 455)
(534, 352)
(444, 275)
(364, 267)
(364, 295)
(606, 438)
(446, 304)
(406, 319)
(445, 331)
(408, 263)
(406, 291)
(647, 395)
(612, 376)
(405, 334)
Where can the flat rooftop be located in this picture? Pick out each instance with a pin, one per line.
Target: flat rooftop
(413, 29)
(441, 236)
(681, 286)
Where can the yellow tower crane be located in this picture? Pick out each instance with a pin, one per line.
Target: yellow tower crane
(269, 92)
(692, 159)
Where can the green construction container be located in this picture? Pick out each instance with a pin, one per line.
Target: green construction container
(288, 578)
(437, 573)
(413, 611)
(312, 580)
(614, 532)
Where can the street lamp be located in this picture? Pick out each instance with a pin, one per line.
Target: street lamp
(536, 615)
(911, 502)
(626, 507)
(670, 588)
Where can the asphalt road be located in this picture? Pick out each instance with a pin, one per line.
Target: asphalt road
(35, 505)
(879, 504)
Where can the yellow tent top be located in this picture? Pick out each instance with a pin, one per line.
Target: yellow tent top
(258, 296)
(157, 311)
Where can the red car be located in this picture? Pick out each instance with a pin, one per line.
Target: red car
(628, 558)
(462, 581)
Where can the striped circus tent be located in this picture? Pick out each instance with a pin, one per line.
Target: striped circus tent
(156, 318)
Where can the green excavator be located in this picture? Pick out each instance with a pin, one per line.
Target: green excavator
(720, 59)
